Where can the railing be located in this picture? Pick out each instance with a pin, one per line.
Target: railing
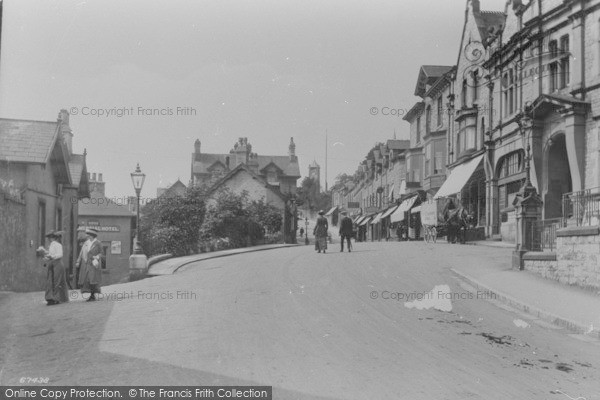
(543, 234)
(581, 208)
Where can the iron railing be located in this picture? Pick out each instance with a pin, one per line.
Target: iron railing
(543, 234)
(581, 208)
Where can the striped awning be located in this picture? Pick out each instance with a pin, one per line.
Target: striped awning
(398, 215)
(364, 220)
(389, 212)
(377, 218)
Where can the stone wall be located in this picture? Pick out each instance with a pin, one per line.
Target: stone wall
(577, 258)
(12, 244)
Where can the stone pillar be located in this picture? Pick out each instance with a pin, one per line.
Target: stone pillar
(575, 142)
(528, 209)
(138, 264)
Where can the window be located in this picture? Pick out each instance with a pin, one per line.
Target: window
(427, 160)
(553, 67)
(511, 164)
(564, 62)
(440, 112)
(482, 135)
(58, 223)
(475, 85)
(464, 94)
(41, 223)
(438, 162)
(509, 92)
(428, 120)
(418, 129)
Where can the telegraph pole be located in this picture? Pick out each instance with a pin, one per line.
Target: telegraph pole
(326, 160)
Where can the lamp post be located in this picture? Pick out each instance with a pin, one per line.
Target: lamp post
(137, 177)
(306, 231)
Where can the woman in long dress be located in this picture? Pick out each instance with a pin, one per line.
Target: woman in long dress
(56, 276)
(320, 232)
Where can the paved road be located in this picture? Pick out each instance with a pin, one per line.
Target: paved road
(314, 326)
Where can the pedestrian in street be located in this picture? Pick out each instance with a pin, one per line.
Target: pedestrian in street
(89, 262)
(301, 232)
(320, 232)
(346, 230)
(56, 276)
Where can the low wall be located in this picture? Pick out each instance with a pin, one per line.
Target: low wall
(576, 260)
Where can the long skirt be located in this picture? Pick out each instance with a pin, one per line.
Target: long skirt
(56, 282)
(321, 243)
(89, 279)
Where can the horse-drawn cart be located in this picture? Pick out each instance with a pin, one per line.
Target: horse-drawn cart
(431, 219)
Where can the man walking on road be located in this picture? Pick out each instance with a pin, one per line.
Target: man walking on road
(346, 230)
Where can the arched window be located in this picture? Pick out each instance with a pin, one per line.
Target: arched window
(464, 94)
(482, 135)
(511, 164)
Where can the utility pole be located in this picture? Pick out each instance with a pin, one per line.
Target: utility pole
(326, 160)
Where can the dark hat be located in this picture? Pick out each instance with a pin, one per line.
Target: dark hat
(344, 212)
(91, 231)
(54, 234)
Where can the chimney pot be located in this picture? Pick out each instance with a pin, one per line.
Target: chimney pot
(99, 177)
(94, 176)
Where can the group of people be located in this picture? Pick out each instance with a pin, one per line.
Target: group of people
(88, 265)
(321, 232)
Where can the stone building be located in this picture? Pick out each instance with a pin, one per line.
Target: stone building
(280, 171)
(114, 221)
(268, 178)
(41, 181)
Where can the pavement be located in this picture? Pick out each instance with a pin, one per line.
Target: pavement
(570, 307)
(171, 265)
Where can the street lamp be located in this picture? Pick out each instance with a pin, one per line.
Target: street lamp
(306, 232)
(525, 126)
(137, 178)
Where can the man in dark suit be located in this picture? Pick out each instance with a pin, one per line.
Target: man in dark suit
(346, 230)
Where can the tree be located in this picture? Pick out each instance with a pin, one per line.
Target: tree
(309, 193)
(171, 224)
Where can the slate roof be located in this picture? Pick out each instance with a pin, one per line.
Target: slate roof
(27, 141)
(76, 165)
(428, 74)
(487, 19)
(203, 161)
(397, 144)
(238, 169)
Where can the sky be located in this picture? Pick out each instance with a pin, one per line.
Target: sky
(144, 79)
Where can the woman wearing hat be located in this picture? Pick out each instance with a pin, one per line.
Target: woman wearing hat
(56, 278)
(89, 262)
(320, 232)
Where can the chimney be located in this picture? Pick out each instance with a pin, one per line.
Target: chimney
(197, 146)
(475, 5)
(97, 185)
(65, 129)
(227, 162)
(292, 150)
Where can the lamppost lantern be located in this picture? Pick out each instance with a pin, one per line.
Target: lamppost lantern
(137, 178)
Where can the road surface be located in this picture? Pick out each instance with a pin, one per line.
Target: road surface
(313, 326)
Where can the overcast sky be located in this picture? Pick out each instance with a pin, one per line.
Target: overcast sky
(266, 70)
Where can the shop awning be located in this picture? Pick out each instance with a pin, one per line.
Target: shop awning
(357, 219)
(388, 212)
(398, 215)
(364, 221)
(458, 178)
(377, 218)
(415, 210)
(331, 211)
